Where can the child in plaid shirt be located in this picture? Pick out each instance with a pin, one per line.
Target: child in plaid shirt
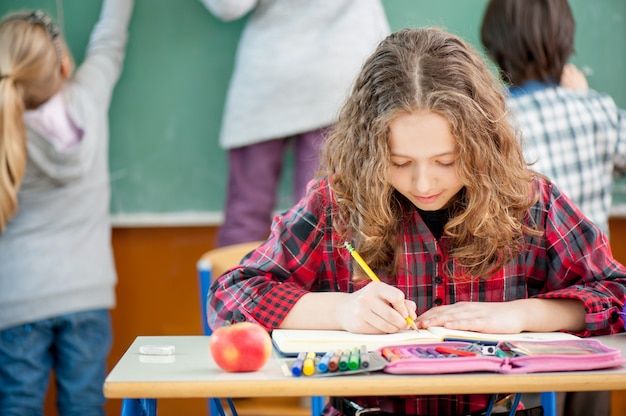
(572, 134)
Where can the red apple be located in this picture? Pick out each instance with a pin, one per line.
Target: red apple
(241, 347)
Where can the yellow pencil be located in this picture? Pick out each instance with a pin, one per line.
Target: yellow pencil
(357, 257)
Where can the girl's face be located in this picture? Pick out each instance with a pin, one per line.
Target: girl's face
(423, 159)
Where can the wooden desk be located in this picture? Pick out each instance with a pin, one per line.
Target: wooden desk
(193, 374)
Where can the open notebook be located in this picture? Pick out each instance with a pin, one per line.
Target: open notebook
(290, 342)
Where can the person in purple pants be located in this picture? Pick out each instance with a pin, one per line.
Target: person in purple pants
(295, 64)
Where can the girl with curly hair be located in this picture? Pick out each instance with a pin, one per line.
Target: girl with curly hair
(424, 176)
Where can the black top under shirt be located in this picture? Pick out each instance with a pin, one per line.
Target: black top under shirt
(435, 220)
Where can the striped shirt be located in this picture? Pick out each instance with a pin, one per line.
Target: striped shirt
(572, 259)
(575, 138)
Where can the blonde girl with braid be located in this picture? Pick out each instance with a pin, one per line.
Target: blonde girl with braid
(57, 275)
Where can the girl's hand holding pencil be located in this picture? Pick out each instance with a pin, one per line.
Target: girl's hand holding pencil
(385, 291)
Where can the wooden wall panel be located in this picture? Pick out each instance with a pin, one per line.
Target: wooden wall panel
(157, 293)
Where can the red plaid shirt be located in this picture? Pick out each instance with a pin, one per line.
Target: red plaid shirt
(572, 260)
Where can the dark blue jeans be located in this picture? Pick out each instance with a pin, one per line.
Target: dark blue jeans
(75, 346)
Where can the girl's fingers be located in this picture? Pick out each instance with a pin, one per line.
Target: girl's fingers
(382, 307)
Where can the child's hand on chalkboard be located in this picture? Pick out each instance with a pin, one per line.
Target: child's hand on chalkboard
(573, 78)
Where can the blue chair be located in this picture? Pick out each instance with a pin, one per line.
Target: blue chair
(212, 264)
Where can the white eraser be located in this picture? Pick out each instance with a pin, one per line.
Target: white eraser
(157, 359)
(156, 349)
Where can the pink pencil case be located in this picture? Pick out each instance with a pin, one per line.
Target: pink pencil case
(509, 357)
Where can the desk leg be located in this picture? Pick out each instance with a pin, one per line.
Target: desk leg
(216, 409)
(548, 401)
(317, 405)
(139, 407)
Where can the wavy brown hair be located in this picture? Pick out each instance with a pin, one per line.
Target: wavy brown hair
(29, 75)
(429, 69)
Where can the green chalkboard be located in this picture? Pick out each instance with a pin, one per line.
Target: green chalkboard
(167, 108)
